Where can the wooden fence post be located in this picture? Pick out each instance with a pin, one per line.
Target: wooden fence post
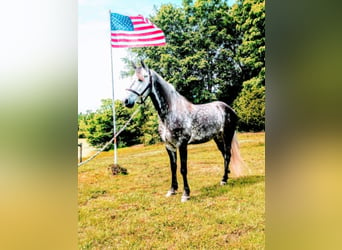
(80, 145)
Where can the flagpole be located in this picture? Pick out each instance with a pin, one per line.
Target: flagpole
(113, 97)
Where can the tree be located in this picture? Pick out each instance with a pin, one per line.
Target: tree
(147, 121)
(200, 57)
(98, 126)
(250, 104)
(83, 123)
(249, 16)
(214, 52)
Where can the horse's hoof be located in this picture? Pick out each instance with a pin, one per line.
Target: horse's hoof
(170, 193)
(185, 198)
(223, 183)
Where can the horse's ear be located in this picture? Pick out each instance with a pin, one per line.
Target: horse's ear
(133, 65)
(143, 65)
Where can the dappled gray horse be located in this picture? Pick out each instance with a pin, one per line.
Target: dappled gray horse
(182, 123)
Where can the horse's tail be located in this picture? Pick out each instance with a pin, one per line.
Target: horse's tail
(236, 161)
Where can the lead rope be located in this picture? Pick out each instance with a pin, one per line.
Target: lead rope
(106, 145)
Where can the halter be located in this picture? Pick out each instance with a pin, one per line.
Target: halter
(143, 92)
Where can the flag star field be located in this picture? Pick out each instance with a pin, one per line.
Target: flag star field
(121, 22)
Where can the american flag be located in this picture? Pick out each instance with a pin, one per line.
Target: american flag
(134, 31)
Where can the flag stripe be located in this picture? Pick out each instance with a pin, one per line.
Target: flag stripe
(136, 33)
(136, 45)
(138, 40)
(143, 33)
(129, 34)
(136, 28)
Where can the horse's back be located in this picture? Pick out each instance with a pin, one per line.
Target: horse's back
(216, 110)
(211, 120)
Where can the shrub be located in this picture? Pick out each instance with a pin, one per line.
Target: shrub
(250, 106)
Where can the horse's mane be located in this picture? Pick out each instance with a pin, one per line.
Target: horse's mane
(168, 87)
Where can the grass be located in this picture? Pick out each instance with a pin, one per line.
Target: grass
(132, 212)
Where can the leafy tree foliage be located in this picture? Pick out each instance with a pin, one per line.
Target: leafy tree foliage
(249, 16)
(97, 126)
(100, 125)
(250, 104)
(147, 121)
(214, 52)
(83, 122)
(200, 57)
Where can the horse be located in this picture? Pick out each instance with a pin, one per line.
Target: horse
(182, 122)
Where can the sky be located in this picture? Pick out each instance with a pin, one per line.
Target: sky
(94, 50)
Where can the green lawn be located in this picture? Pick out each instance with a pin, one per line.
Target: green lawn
(132, 212)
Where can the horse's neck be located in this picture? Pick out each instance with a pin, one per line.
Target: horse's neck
(164, 96)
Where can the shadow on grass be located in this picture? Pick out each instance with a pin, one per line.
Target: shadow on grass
(217, 189)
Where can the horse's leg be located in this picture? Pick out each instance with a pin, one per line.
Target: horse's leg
(173, 165)
(220, 142)
(228, 137)
(224, 145)
(183, 151)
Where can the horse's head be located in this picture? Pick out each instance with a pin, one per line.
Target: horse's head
(140, 87)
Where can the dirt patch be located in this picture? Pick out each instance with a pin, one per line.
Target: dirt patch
(116, 169)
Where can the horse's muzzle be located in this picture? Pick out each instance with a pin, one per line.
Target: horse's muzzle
(128, 103)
